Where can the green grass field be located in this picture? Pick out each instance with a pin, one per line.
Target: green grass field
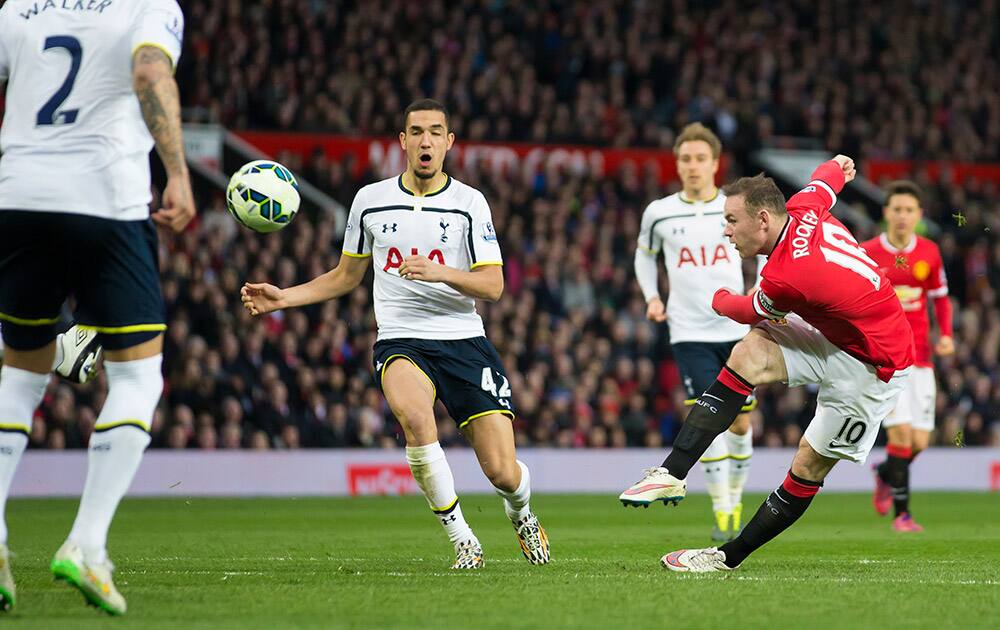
(383, 562)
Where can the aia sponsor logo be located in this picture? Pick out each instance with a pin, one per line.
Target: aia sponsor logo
(380, 479)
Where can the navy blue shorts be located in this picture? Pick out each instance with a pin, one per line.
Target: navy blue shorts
(110, 267)
(699, 363)
(467, 374)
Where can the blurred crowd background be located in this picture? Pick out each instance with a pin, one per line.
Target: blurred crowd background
(906, 80)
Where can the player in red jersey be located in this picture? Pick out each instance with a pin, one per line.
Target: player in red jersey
(848, 334)
(913, 265)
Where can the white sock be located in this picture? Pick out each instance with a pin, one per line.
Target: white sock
(515, 503)
(21, 392)
(431, 471)
(116, 446)
(715, 463)
(740, 451)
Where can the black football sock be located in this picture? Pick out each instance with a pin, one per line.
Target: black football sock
(897, 475)
(712, 413)
(780, 509)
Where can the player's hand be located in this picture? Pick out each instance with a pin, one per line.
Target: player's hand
(419, 267)
(944, 347)
(721, 293)
(262, 298)
(178, 204)
(847, 165)
(656, 311)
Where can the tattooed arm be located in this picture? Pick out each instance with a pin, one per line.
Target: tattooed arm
(154, 85)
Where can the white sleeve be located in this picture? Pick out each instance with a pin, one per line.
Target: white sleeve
(645, 273)
(484, 247)
(357, 240)
(160, 23)
(4, 53)
(648, 241)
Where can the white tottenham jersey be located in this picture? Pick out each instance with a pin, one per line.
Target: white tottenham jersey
(452, 227)
(73, 136)
(699, 261)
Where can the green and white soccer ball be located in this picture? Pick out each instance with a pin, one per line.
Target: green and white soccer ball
(263, 195)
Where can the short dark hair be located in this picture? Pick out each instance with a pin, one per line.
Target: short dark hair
(759, 192)
(424, 105)
(697, 131)
(903, 187)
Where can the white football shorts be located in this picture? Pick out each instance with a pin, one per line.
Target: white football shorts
(852, 401)
(916, 404)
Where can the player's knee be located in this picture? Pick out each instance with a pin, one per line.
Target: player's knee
(502, 474)
(417, 422)
(749, 359)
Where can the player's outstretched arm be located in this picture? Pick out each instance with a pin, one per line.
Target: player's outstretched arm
(159, 99)
(483, 283)
(260, 298)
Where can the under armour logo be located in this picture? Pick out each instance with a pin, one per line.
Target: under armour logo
(679, 230)
(448, 519)
(386, 227)
(378, 366)
(444, 231)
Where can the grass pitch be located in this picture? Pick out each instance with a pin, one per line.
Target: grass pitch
(383, 562)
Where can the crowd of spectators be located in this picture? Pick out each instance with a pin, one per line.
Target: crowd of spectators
(898, 79)
(586, 368)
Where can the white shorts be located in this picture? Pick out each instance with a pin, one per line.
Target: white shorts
(852, 401)
(916, 405)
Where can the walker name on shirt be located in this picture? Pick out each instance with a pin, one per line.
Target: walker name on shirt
(805, 228)
(68, 5)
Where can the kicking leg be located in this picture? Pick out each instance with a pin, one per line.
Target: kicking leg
(755, 360)
(492, 437)
(410, 394)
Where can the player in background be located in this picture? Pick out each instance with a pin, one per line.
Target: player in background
(913, 265)
(435, 253)
(90, 89)
(687, 226)
(848, 334)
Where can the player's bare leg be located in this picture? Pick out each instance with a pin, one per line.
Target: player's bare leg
(755, 360)
(492, 437)
(23, 380)
(410, 395)
(783, 507)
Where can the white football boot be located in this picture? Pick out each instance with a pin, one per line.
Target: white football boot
(468, 555)
(92, 579)
(656, 485)
(80, 352)
(7, 591)
(696, 561)
(533, 539)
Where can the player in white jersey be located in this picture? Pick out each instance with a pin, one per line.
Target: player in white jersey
(435, 252)
(90, 89)
(688, 228)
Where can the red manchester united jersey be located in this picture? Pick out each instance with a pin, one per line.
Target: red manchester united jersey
(916, 273)
(819, 271)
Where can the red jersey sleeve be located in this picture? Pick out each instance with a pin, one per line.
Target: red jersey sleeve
(936, 288)
(821, 193)
(774, 300)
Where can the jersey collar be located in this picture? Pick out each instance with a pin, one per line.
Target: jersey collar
(692, 202)
(447, 183)
(781, 235)
(892, 249)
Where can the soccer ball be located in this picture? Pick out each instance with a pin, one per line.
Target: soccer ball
(263, 195)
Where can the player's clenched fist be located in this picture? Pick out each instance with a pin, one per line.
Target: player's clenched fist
(655, 311)
(847, 164)
(261, 298)
(419, 267)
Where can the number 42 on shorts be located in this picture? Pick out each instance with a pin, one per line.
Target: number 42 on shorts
(488, 384)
